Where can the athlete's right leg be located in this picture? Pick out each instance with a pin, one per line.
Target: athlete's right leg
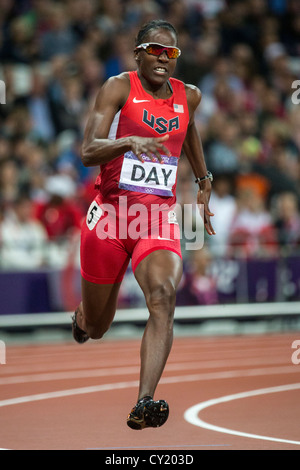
(97, 309)
(104, 261)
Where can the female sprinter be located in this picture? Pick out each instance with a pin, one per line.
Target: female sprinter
(136, 131)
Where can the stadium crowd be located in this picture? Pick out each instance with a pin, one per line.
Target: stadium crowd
(244, 55)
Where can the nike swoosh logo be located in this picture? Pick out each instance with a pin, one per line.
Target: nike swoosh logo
(168, 239)
(140, 101)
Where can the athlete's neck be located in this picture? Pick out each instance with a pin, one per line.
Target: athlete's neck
(157, 91)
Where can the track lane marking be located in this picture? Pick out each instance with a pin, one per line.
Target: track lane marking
(95, 373)
(192, 414)
(135, 383)
(168, 380)
(72, 368)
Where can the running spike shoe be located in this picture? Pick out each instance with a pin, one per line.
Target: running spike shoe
(78, 334)
(148, 413)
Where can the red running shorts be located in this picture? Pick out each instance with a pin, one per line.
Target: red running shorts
(109, 241)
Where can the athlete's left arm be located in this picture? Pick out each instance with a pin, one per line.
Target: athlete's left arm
(193, 150)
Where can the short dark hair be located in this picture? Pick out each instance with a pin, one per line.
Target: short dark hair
(151, 25)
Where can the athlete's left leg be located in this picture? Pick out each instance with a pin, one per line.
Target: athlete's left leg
(158, 275)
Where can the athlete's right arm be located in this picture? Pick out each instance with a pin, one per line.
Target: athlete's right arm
(97, 148)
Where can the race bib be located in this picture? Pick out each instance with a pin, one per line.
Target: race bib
(93, 215)
(148, 177)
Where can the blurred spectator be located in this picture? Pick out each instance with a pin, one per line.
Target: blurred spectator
(92, 75)
(244, 63)
(69, 108)
(210, 9)
(39, 107)
(252, 231)
(271, 106)
(69, 159)
(291, 32)
(222, 154)
(23, 239)
(18, 123)
(19, 43)
(5, 148)
(222, 74)
(110, 19)
(33, 167)
(196, 61)
(121, 58)
(237, 26)
(9, 181)
(279, 158)
(198, 286)
(82, 16)
(287, 221)
(60, 39)
(59, 214)
(223, 206)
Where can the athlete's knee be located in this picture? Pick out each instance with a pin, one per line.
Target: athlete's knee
(96, 330)
(162, 296)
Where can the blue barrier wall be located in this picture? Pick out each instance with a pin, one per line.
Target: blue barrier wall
(254, 280)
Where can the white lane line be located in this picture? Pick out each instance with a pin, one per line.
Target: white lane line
(35, 376)
(135, 383)
(67, 393)
(192, 414)
(94, 373)
(105, 372)
(69, 375)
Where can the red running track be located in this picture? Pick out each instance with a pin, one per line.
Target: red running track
(225, 393)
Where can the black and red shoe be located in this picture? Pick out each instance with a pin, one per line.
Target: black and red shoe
(78, 334)
(148, 413)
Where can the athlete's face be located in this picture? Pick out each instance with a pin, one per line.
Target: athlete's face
(157, 69)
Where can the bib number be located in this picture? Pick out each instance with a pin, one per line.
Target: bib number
(148, 177)
(93, 215)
